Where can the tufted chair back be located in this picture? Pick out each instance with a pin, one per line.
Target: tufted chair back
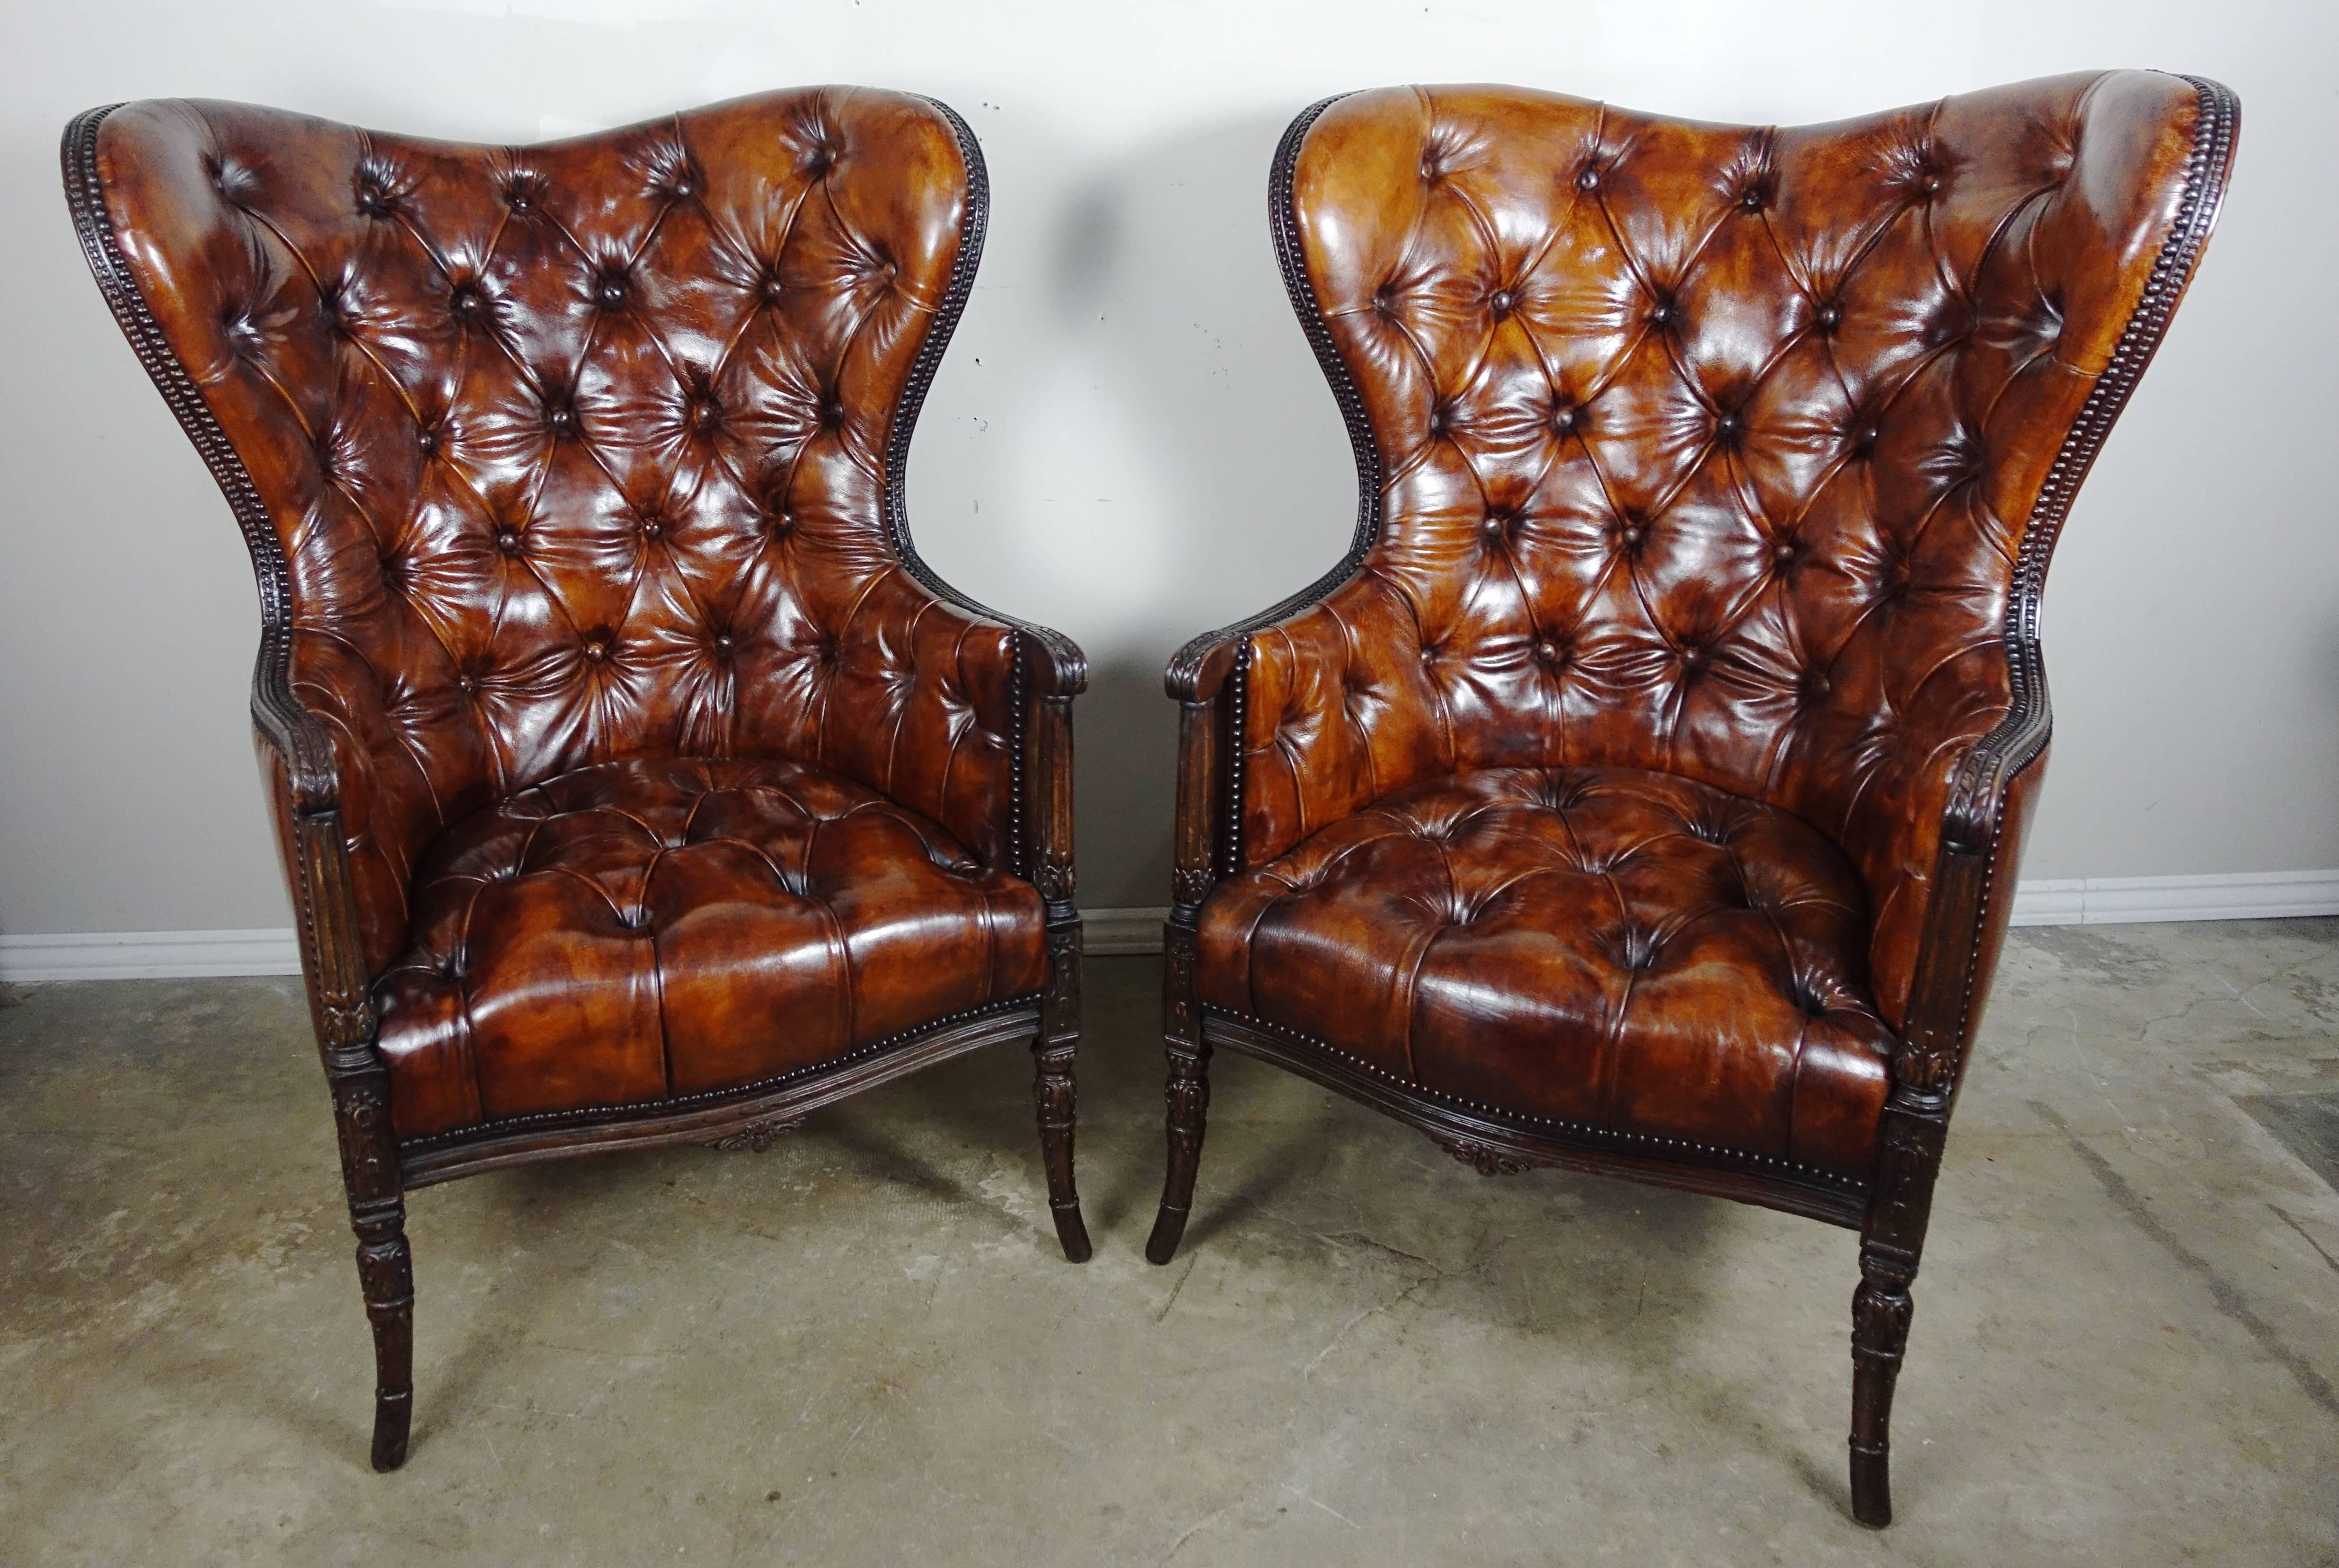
(553, 455)
(1719, 451)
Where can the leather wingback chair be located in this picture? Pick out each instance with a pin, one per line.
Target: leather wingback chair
(1644, 792)
(636, 781)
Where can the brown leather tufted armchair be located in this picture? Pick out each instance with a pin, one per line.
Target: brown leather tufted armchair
(636, 782)
(1644, 792)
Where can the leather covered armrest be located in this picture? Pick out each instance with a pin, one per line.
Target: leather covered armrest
(939, 704)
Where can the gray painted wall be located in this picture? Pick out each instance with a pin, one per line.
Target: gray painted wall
(1130, 440)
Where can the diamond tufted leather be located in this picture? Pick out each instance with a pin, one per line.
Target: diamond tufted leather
(1644, 792)
(581, 452)
(1704, 450)
(636, 781)
(1694, 958)
(707, 900)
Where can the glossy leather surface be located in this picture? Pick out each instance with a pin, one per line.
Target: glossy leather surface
(577, 452)
(1701, 450)
(1601, 947)
(661, 764)
(737, 921)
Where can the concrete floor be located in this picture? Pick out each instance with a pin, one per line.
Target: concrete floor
(862, 1345)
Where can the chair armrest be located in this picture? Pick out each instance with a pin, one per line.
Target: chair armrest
(301, 779)
(1332, 701)
(1956, 926)
(1205, 843)
(965, 714)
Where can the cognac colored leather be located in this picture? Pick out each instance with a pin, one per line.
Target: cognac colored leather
(635, 778)
(1644, 791)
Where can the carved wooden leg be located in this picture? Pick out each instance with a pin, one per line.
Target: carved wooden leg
(1189, 1091)
(1892, 1239)
(1880, 1310)
(1051, 1088)
(386, 1274)
(369, 1169)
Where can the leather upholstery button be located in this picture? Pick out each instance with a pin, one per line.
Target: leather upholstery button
(1565, 418)
(508, 540)
(1588, 180)
(1829, 316)
(610, 293)
(1500, 304)
(653, 526)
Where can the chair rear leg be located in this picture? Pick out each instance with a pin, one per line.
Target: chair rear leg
(1188, 1094)
(1052, 1089)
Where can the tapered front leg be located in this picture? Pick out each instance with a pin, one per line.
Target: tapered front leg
(1880, 1311)
(386, 1274)
(1909, 1158)
(1188, 1094)
(1053, 1090)
(369, 1170)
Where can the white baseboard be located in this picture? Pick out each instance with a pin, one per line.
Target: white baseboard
(2127, 899)
(1116, 932)
(148, 954)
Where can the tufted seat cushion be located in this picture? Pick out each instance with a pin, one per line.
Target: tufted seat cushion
(1603, 947)
(664, 928)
